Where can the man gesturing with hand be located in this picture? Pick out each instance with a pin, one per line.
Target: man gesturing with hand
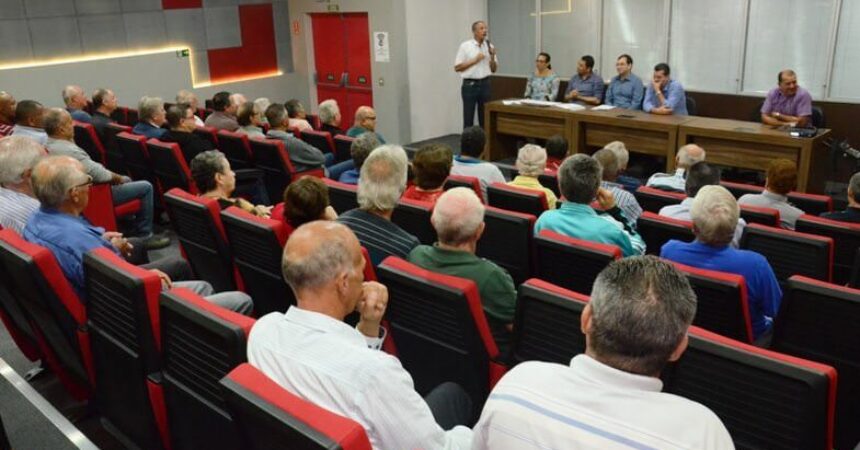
(311, 352)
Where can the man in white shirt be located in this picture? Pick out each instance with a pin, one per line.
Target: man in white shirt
(609, 397)
(18, 155)
(468, 163)
(476, 61)
(687, 156)
(311, 352)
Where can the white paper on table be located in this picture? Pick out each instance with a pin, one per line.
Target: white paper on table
(603, 108)
(511, 102)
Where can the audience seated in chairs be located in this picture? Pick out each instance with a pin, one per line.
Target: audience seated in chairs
(18, 155)
(304, 156)
(636, 322)
(687, 156)
(365, 122)
(359, 150)
(781, 179)
(458, 219)
(297, 115)
(531, 163)
(625, 199)
(382, 182)
(623, 157)
(76, 100)
(60, 127)
(556, 151)
(105, 103)
(225, 105)
(188, 97)
(699, 175)
(852, 212)
(431, 166)
(469, 162)
(250, 119)
(28, 121)
(579, 180)
(151, 118)
(180, 119)
(306, 200)
(62, 187)
(215, 179)
(312, 353)
(330, 117)
(7, 113)
(263, 104)
(715, 214)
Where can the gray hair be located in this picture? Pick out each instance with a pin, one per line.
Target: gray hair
(853, 185)
(641, 309)
(320, 266)
(531, 160)
(686, 159)
(328, 111)
(579, 178)
(457, 216)
(69, 92)
(51, 184)
(608, 162)
(148, 107)
(382, 179)
(185, 96)
(361, 148)
(18, 154)
(621, 153)
(262, 103)
(53, 120)
(715, 215)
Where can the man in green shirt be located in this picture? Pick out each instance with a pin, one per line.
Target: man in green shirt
(365, 122)
(458, 218)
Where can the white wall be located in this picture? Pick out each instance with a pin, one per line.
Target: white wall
(435, 31)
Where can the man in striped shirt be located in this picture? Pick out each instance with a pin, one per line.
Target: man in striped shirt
(380, 185)
(18, 155)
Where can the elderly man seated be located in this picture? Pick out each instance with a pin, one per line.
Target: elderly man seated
(359, 150)
(186, 96)
(365, 122)
(60, 128)
(531, 163)
(715, 217)
(781, 179)
(330, 117)
(62, 187)
(28, 121)
(623, 157)
(303, 155)
(76, 100)
(687, 156)
(7, 113)
(105, 103)
(18, 155)
(151, 116)
(700, 175)
(226, 105)
(382, 182)
(312, 353)
(180, 119)
(626, 201)
(609, 397)
(579, 181)
(469, 162)
(459, 222)
(852, 212)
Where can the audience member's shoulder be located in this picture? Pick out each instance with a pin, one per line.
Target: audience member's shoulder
(534, 373)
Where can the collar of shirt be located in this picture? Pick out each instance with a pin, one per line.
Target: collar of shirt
(688, 202)
(611, 184)
(774, 196)
(279, 134)
(667, 87)
(577, 208)
(522, 181)
(679, 172)
(467, 159)
(599, 373)
(453, 256)
(30, 129)
(330, 325)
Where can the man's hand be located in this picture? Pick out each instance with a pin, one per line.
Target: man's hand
(165, 280)
(480, 57)
(572, 95)
(658, 87)
(605, 199)
(263, 211)
(119, 242)
(491, 49)
(329, 213)
(371, 307)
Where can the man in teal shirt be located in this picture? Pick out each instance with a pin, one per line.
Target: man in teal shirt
(458, 218)
(579, 181)
(365, 121)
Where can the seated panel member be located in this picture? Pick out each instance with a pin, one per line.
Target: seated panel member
(543, 82)
(788, 103)
(311, 352)
(715, 214)
(625, 89)
(609, 397)
(664, 95)
(586, 86)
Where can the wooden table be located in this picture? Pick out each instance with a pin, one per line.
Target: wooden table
(752, 145)
(732, 143)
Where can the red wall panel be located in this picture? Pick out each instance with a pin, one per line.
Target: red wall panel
(257, 55)
(181, 4)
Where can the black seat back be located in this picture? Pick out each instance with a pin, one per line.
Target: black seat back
(846, 241)
(657, 230)
(87, 139)
(115, 162)
(169, 166)
(236, 149)
(547, 323)
(342, 196)
(135, 156)
(757, 214)
(654, 200)
(272, 158)
(527, 201)
(507, 241)
(571, 263)
(722, 302)
(791, 252)
(414, 217)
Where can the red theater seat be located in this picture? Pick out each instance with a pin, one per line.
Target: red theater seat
(322, 140)
(87, 139)
(170, 167)
(654, 200)
(101, 210)
(467, 182)
(507, 241)
(278, 172)
(236, 148)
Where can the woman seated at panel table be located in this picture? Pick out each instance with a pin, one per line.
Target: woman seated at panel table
(543, 83)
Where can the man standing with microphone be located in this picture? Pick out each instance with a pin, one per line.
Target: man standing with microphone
(476, 60)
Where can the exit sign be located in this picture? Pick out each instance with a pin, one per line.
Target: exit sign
(333, 8)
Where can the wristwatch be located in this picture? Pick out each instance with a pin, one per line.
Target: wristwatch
(776, 114)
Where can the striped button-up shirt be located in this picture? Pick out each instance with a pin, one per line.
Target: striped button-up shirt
(15, 209)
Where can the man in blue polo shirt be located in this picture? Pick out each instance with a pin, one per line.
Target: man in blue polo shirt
(665, 96)
(715, 215)
(625, 89)
(585, 87)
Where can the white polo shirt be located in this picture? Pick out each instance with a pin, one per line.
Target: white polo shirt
(590, 405)
(468, 51)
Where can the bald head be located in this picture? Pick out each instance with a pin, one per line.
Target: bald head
(458, 217)
(365, 117)
(58, 124)
(688, 155)
(55, 178)
(317, 254)
(7, 108)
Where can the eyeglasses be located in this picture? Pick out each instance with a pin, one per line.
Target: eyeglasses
(540, 61)
(87, 183)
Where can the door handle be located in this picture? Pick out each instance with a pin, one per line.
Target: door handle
(344, 79)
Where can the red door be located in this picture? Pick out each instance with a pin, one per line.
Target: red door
(342, 55)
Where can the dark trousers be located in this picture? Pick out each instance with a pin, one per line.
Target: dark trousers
(450, 405)
(475, 93)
